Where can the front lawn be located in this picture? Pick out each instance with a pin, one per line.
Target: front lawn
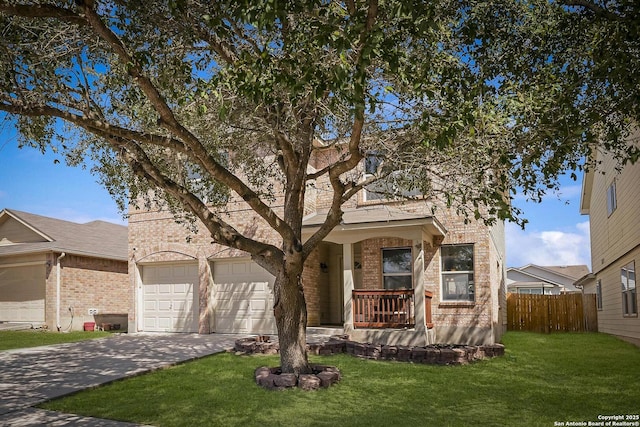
(542, 379)
(37, 337)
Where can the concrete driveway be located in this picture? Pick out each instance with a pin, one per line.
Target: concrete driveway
(32, 376)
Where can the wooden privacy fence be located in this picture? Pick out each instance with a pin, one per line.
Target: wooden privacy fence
(552, 313)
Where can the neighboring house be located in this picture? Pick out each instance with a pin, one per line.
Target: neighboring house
(545, 280)
(390, 272)
(612, 201)
(59, 274)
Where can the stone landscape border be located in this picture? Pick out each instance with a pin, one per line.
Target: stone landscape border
(436, 354)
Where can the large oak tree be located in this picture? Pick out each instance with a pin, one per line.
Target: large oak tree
(471, 100)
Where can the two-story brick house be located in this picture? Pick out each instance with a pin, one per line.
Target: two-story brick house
(390, 272)
(612, 201)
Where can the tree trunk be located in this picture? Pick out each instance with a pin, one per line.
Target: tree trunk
(290, 311)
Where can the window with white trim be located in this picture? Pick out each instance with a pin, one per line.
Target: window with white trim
(397, 184)
(612, 202)
(397, 268)
(599, 294)
(628, 279)
(457, 273)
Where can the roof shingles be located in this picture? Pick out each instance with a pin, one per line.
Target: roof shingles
(97, 238)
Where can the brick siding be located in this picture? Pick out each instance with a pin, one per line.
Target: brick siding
(154, 236)
(86, 283)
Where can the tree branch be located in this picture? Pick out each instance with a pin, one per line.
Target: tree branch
(42, 11)
(598, 10)
(220, 231)
(169, 120)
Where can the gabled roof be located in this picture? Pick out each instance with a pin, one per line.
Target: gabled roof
(98, 239)
(562, 276)
(571, 271)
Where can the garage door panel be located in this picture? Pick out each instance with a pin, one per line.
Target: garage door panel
(258, 305)
(150, 323)
(165, 289)
(242, 298)
(231, 305)
(22, 293)
(164, 306)
(231, 322)
(165, 323)
(170, 296)
(255, 268)
(181, 306)
(239, 268)
(150, 305)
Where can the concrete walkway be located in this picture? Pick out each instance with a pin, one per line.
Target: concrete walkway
(32, 376)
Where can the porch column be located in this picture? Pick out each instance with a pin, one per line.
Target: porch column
(348, 285)
(418, 285)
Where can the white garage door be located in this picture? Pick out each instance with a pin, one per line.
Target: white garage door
(170, 297)
(22, 292)
(243, 298)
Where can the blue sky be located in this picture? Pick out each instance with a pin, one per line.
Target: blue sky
(29, 181)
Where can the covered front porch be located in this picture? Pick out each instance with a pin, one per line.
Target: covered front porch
(371, 276)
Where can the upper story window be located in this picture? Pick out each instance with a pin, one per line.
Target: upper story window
(397, 268)
(372, 162)
(206, 189)
(628, 279)
(457, 273)
(393, 185)
(612, 202)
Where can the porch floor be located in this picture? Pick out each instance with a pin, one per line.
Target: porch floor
(325, 330)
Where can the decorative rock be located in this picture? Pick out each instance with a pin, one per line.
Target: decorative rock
(308, 382)
(389, 352)
(358, 349)
(274, 379)
(460, 357)
(285, 380)
(431, 355)
(447, 356)
(314, 348)
(493, 350)
(328, 378)
(404, 353)
(266, 382)
(262, 372)
(418, 354)
(372, 351)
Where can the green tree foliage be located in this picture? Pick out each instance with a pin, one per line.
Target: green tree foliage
(194, 102)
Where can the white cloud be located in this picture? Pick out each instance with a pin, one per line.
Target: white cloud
(548, 247)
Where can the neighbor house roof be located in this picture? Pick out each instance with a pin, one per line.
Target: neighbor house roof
(572, 271)
(556, 275)
(98, 239)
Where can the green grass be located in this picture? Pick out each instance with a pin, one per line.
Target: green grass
(542, 379)
(37, 337)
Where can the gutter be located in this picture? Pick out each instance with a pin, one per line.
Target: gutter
(58, 287)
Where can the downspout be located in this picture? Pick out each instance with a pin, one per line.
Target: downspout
(58, 274)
